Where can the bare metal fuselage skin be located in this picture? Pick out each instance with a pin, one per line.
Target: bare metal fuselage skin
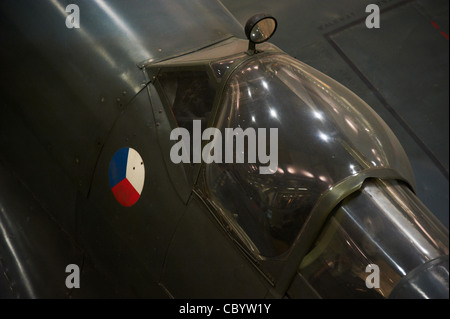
(71, 98)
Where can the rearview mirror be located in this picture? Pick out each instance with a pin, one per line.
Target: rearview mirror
(260, 28)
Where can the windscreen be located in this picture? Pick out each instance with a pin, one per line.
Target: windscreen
(377, 236)
(325, 134)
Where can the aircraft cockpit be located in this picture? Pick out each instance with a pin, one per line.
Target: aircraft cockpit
(332, 149)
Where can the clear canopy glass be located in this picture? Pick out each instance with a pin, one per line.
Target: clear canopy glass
(326, 134)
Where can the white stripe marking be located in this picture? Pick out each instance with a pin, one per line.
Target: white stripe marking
(135, 170)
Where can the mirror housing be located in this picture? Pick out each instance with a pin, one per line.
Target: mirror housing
(258, 29)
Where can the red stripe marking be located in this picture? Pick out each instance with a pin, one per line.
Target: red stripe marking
(437, 27)
(125, 193)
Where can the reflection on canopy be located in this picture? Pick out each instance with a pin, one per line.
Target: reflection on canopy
(323, 139)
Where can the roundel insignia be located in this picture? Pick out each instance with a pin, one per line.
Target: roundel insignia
(126, 176)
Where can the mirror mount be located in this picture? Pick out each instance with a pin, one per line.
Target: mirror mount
(258, 29)
(252, 48)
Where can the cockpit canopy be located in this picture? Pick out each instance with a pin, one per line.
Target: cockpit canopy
(326, 134)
